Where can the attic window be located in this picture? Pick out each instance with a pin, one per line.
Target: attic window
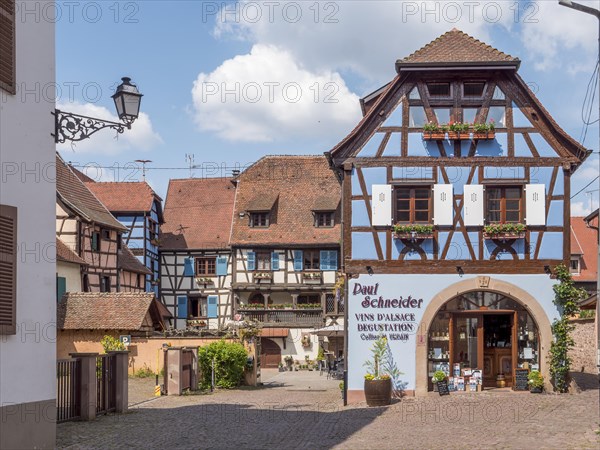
(259, 219)
(473, 88)
(438, 89)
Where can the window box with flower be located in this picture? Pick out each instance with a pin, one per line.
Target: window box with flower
(312, 277)
(458, 131)
(263, 277)
(504, 231)
(432, 131)
(482, 131)
(413, 231)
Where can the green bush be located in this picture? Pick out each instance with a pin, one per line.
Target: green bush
(111, 344)
(144, 372)
(230, 360)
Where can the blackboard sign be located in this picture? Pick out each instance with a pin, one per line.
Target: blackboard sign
(443, 387)
(521, 383)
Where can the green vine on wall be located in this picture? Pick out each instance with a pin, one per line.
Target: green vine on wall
(566, 296)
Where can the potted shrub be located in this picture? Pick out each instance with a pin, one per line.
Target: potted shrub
(458, 130)
(413, 231)
(432, 131)
(536, 382)
(378, 385)
(438, 376)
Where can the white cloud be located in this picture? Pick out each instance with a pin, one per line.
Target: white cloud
(267, 96)
(141, 137)
(579, 209)
(554, 33)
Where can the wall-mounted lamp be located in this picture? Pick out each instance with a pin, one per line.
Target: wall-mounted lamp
(73, 127)
(370, 270)
(460, 270)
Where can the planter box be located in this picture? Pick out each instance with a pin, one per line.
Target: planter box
(378, 392)
(433, 136)
(410, 236)
(456, 136)
(484, 135)
(504, 236)
(312, 280)
(536, 390)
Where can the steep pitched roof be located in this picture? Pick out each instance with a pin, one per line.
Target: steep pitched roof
(76, 196)
(65, 254)
(300, 182)
(584, 243)
(124, 196)
(456, 48)
(129, 263)
(108, 311)
(198, 214)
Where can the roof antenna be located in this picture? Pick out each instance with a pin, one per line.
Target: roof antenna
(143, 162)
(189, 157)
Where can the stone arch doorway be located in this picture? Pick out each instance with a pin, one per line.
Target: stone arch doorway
(469, 304)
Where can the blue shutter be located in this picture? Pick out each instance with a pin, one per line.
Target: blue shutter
(95, 246)
(251, 261)
(188, 267)
(274, 261)
(333, 262)
(298, 257)
(221, 266)
(212, 311)
(324, 260)
(182, 307)
(61, 287)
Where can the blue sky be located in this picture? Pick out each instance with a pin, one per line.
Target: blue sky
(295, 72)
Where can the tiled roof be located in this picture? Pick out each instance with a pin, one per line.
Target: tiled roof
(65, 254)
(325, 203)
(198, 214)
(106, 311)
(76, 196)
(129, 263)
(82, 176)
(125, 196)
(584, 243)
(298, 181)
(456, 47)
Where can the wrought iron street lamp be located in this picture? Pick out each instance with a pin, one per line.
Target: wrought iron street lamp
(75, 127)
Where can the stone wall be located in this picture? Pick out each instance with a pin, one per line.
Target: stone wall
(584, 352)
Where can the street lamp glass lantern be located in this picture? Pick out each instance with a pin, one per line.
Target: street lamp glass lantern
(127, 101)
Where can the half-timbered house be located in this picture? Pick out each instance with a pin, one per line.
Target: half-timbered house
(456, 187)
(132, 273)
(195, 255)
(285, 240)
(139, 208)
(86, 227)
(68, 270)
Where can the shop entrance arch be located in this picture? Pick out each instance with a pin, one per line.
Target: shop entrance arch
(495, 329)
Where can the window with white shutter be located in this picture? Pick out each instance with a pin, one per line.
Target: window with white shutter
(535, 204)
(7, 46)
(8, 269)
(443, 205)
(473, 205)
(381, 204)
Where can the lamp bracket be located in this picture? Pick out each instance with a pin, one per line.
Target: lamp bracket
(74, 127)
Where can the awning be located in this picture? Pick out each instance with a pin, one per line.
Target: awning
(329, 331)
(275, 332)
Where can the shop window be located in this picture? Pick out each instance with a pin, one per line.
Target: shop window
(413, 204)
(504, 204)
(206, 266)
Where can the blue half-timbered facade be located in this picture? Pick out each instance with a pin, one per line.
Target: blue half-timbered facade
(455, 203)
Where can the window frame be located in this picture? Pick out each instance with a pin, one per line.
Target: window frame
(200, 301)
(436, 97)
(329, 219)
(256, 214)
(105, 284)
(474, 97)
(412, 199)
(576, 271)
(266, 254)
(98, 241)
(206, 262)
(503, 211)
(313, 253)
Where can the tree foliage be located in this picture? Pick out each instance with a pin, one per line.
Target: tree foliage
(229, 362)
(112, 344)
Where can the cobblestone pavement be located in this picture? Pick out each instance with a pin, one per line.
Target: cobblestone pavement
(304, 410)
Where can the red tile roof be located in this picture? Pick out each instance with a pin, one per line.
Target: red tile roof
(198, 214)
(65, 254)
(124, 196)
(456, 47)
(584, 242)
(129, 263)
(300, 182)
(108, 311)
(77, 197)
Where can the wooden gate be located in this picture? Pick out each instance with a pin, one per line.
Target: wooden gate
(106, 376)
(187, 359)
(270, 354)
(68, 400)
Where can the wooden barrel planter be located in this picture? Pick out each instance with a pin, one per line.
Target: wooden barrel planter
(378, 392)
(500, 381)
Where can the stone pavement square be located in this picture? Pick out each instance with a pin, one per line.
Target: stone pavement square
(304, 410)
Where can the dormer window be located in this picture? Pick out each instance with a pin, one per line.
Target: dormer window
(574, 265)
(259, 220)
(324, 219)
